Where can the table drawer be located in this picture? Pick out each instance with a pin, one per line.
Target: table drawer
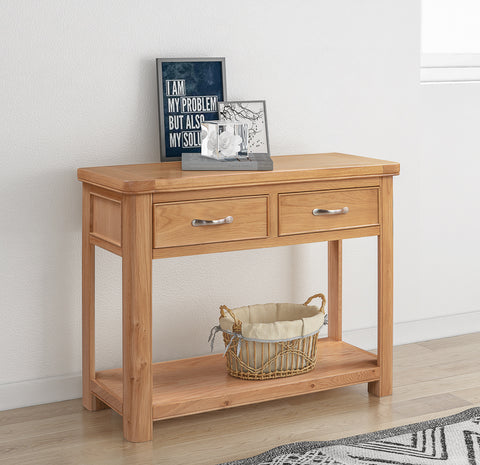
(172, 222)
(296, 210)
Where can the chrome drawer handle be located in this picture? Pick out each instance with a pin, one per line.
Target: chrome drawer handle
(321, 211)
(226, 220)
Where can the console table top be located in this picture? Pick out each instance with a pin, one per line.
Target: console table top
(166, 177)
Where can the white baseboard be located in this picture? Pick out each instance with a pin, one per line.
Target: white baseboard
(40, 391)
(46, 390)
(419, 330)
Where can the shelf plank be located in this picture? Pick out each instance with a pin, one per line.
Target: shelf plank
(201, 384)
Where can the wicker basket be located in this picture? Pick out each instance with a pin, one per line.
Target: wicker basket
(255, 359)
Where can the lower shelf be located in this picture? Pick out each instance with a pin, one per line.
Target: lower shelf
(201, 384)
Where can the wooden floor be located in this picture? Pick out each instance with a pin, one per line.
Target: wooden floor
(432, 379)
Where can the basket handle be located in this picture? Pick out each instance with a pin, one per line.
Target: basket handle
(321, 296)
(237, 324)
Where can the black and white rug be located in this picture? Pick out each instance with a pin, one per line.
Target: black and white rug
(453, 440)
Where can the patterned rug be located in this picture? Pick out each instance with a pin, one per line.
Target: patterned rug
(453, 440)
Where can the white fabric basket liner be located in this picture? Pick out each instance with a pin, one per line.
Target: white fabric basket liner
(275, 321)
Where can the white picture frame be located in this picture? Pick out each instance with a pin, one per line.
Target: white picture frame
(254, 113)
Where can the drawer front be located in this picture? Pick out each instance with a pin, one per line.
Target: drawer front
(172, 222)
(296, 210)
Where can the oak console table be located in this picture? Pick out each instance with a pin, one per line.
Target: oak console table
(143, 212)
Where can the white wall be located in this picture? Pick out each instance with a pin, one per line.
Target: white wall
(78, 89)
(450, 193)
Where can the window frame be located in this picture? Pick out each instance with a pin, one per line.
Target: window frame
(450, 67)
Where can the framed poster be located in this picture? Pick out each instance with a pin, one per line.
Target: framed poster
(189, 90)
(254, 113)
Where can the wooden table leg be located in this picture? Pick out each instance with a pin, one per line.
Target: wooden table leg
(383, 387)
(90, 402)
(335, 290)
(137, 317)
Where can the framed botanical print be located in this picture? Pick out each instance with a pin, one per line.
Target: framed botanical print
(254, 113)
(189, 90)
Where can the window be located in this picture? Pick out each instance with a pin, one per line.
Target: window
(450, 41)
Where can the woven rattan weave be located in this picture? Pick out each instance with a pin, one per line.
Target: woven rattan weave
(259, 360)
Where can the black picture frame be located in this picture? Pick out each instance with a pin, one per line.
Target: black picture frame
(189, 90)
